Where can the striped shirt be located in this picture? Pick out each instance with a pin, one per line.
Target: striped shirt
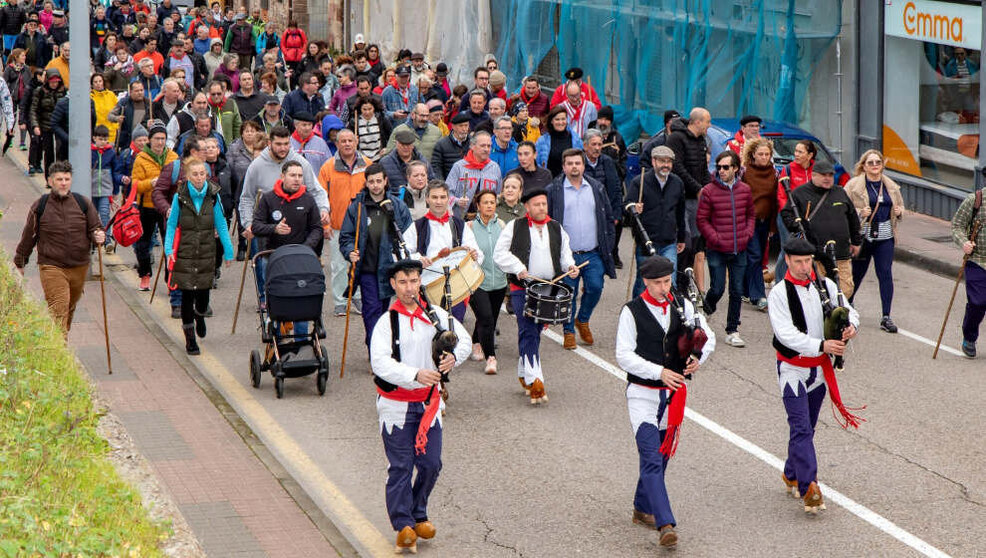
(369, 138)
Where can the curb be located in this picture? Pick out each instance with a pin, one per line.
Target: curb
(917, 259)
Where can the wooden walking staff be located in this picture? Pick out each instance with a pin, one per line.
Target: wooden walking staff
(965, 258)
(102, 296)
(246, 263)
(157, 277)
(633, 256)
(349, 299)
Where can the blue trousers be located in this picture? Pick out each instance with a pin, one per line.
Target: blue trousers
(669, 251)
(260, 271)
(753, 286)
(802, 416)
(592, 278)
(407, 501)
(882, 254)
(652, 495)
(373, 307)
(528, 340)
(975, 308)
(719, 262)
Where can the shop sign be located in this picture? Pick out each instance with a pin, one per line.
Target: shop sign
(935, 22)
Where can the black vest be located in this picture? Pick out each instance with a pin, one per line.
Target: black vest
(520, 246)
(424, 232)
(395, 351)
(797, 319)
(653, 343)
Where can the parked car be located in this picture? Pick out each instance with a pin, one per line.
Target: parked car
(784, 136)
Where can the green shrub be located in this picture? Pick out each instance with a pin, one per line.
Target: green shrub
(59, 494)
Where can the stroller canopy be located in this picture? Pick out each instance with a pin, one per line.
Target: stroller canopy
(294, 271)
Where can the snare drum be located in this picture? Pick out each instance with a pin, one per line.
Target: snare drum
(465, 276)
(548, 304)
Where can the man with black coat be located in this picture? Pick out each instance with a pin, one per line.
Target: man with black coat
(249, 100)
(32, 40)
(691, 164)
(613, 143)
(661, 210)
(12, 17)
(829, 215)
(600, 166)
(43, 102)
(660, 138)
(452, 147)
(288, 213)
(59, 125)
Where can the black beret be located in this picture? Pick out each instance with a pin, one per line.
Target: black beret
(606, 112)
(573, 74)
(404, 265)
(655, 267)
(750, 118)
(303, 116)
(533, 194)
(460, 118)
(797, 246)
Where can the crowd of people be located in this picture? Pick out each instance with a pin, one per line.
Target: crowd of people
(215, 122)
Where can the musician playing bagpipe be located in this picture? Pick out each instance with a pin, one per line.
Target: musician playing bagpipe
(534, 246)
(408, 402)
(801, 316)
(656, 374)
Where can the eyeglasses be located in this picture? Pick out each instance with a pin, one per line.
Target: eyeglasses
(874, 163)
(724, 167)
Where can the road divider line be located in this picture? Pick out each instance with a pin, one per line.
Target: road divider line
(883, 524)
(929, 342)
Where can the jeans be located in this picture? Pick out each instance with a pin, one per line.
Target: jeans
(719, 263)
(486, 306)
(260, 271)
(882, 254)
(669, 251)
(339, 270)
(373, 307)
(592, 277)
(102, 204)
(753, 286)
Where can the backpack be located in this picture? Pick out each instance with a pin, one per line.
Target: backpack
(126, 225)
(43, 202)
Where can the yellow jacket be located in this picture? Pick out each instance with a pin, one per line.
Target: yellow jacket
(529, 132)
(145, 170)
(104, 101)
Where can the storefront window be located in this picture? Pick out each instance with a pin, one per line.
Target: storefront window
(931, 100)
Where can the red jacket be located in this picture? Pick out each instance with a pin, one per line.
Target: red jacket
(798, 175)
(725, 217)
(293, 42)
(587, 93)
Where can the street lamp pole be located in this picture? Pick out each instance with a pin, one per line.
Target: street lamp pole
(78, 98)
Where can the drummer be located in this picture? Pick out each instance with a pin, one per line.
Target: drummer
(534, 246)
(432, 237)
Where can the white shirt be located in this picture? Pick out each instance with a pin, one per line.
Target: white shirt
(541, 265)
(439, 237)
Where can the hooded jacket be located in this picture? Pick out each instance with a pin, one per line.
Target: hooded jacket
(147, 168)
(690, 163)
(329, 123)
(342, 183)
(298, 210)
(44, 100)
(103, 179)
(261, 175)
(293, 42)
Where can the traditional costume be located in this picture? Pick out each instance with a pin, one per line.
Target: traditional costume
(804, 370)
(656, 411)
(541, 249)
(410, 421)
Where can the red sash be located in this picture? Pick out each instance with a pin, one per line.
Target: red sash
(676, 415)
(828, 371)
(420, 395)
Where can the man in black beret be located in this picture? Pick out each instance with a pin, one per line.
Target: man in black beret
(452, 147)
(798, 320)
(656, 374)
(749, 130)
(409, 389)
(574, 75)
(529, 248)
(306, 142)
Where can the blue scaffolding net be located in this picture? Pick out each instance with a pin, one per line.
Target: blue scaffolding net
(733, 57)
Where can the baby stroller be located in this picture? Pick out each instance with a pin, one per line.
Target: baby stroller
(294, 290)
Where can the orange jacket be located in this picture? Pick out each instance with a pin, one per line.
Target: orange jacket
(341, 184)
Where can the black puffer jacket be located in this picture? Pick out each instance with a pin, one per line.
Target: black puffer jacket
(690, 163)
(12, 18)
(445, 154)
(43, 102)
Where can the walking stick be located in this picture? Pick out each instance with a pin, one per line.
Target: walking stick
(102, 296)
(955, 288)
(633, 256)
(349, 300)
(157, 277)
(236, 312)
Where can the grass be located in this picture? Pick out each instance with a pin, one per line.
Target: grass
(59, 493)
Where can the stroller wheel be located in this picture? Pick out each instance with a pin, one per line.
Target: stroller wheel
(279, 387)
(255, 372)
(323, 378)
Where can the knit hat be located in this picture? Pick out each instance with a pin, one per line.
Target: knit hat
(498, 78)
(157, 128)
(140, 132)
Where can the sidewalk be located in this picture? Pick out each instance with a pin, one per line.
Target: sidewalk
(232, 492)
(926, 242)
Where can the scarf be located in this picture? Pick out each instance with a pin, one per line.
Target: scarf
(527, 100)
(575, 115)
(531, 221)
(418, 313)
(159, 159)
(279, 191)
(102, 149)
(432, 217)
(790, 278)
(662, 304)
(472, 163)
(297, 138)
(218, 106)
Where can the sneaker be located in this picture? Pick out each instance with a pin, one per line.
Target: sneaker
(491, 365)
(734, 340)
(969, 348)
(340, 310)
(358, 307)
(762, 305)
(145, 283)
(22, 147)
(208, 311)
(176, 312)
(477, 352)
(746, 299)
(888, 325)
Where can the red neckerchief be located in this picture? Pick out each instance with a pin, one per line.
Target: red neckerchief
(279, 191)
(405, 93)
(790, 278)
(531, 222)
(523, 96)
(418, 313)
(432, 217)
(575, 113)
(102, 149)
(662, 304)
(297, 138)
(472, 163)
(217, 106)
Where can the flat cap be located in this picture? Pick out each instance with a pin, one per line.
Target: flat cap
(405, 136)
(662, 152)
(460, 118)
(303, 116)
(823, 167)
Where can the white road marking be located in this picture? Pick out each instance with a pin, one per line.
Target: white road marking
(857, 509)
(929, 342)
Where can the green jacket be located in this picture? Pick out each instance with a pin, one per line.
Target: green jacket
(228, 120)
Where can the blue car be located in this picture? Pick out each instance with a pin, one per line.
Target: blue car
(784, 136)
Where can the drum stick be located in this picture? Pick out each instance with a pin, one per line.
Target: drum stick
(560, 277)
(349, 300)
(633, 256)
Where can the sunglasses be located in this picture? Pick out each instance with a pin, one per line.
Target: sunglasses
(874, 163)
(724, 167)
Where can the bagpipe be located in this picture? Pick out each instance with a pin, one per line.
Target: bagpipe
(836, 315)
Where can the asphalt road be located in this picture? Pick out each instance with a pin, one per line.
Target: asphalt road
(558, 480)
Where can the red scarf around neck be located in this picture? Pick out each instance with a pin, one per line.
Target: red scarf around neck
(418, 313)
(662, 304)
(472, 163)
(279, 191)
(531, 221)
(432, 217)
(790, 278)
(297, 137)
(218, 106)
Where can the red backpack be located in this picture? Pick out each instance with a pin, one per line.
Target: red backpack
(126, 221)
